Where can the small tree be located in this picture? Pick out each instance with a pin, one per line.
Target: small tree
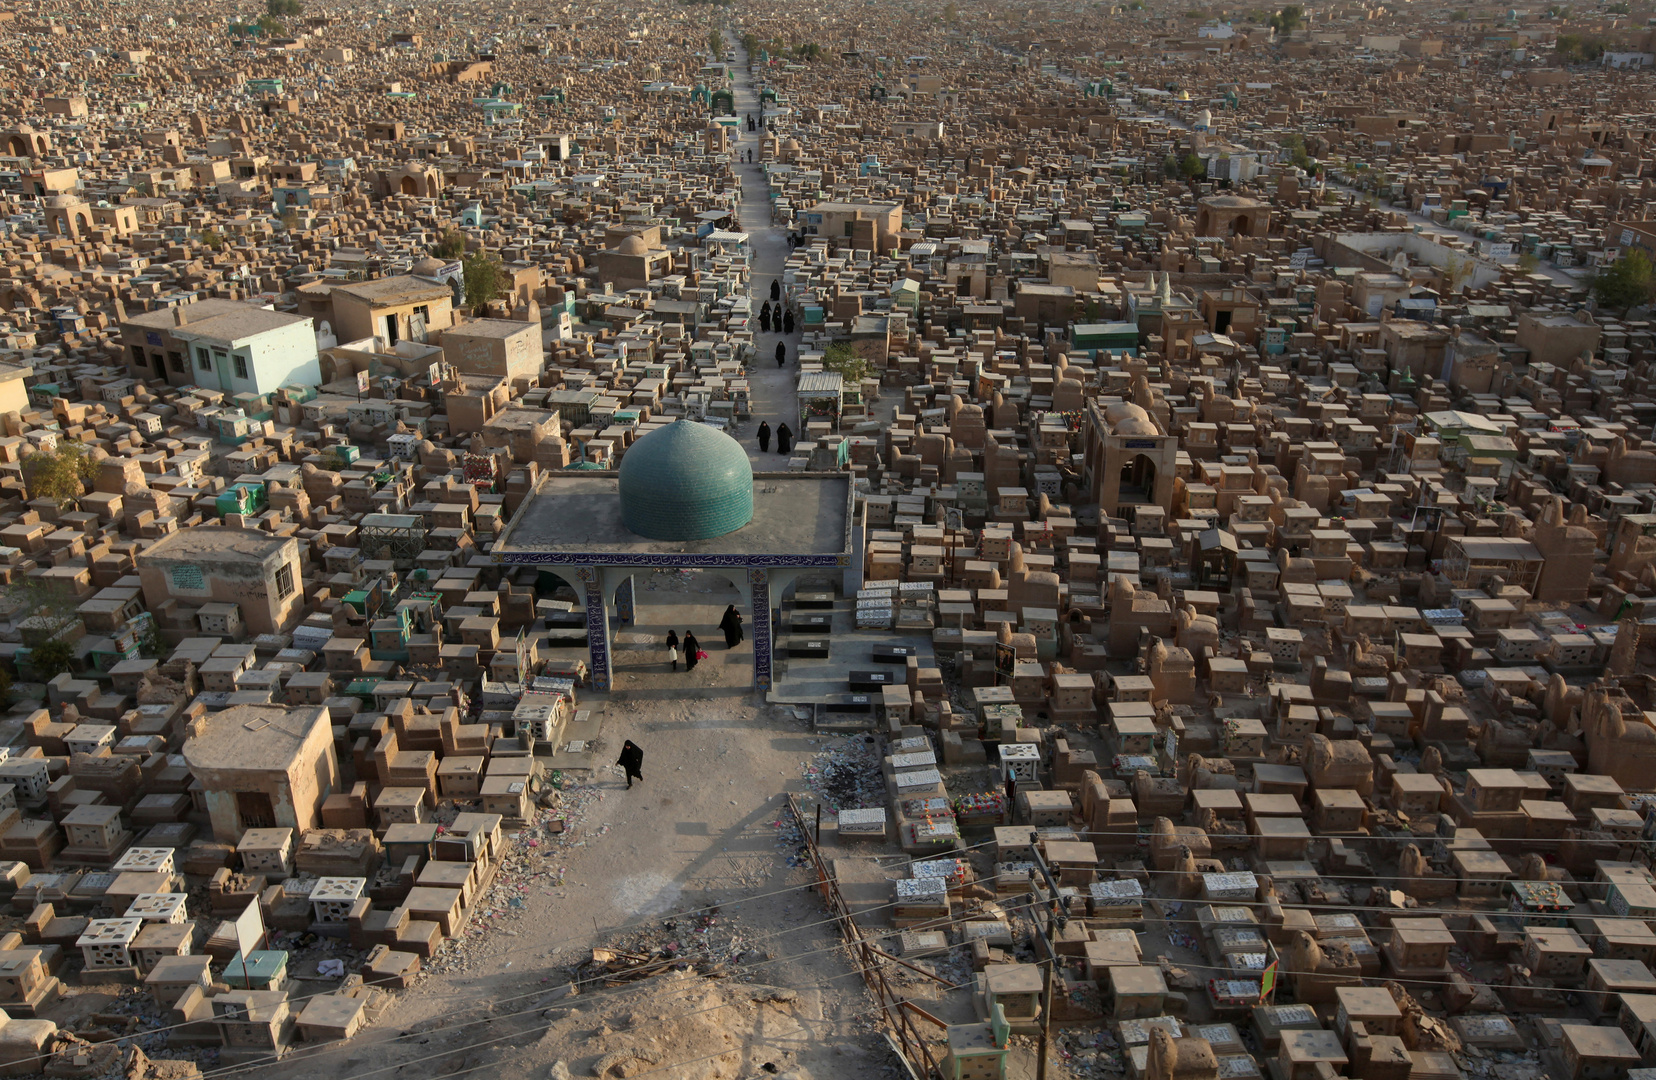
(1529, 262)
(1191, 166)
(715, 43)
(284, 8)
(451, 246)
(1575, 49)
(1626, 283)
(59, 474)
(41, 611)
(51, 659)
(1295, 145)
(484, 278)
(1288, 19)
(1170, 166)
(149, 640)
(843, 360)
(213, 239)
(1456, 273)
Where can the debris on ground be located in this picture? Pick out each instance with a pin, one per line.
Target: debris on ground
(536, 864)
(846, 775)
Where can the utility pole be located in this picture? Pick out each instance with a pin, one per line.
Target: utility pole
(1056, 917)
(954, 519)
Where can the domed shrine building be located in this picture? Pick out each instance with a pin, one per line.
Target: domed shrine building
(686, 498)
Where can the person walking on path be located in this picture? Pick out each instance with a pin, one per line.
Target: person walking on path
(764, 319)
(787, 323)
(776, 290)
(781, 353)
(764, 437)
(672, 648)
(691, 648)
(784, 438)
(632, 760)
(731, 624)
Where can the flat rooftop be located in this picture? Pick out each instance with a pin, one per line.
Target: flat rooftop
(571, 513)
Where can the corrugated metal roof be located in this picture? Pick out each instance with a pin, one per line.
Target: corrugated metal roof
(821, 382)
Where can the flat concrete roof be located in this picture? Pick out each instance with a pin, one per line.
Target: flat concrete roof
(572, 514)
(490, 328)
(217, 543)
(253, 738)
(400, 289)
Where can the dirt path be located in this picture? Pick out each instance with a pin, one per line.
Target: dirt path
(699, 831)
(772, 388)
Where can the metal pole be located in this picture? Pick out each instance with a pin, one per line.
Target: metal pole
(1046, 1015)
(819, 824)
(1054, 916)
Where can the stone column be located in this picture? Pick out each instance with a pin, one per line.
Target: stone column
(759, 625)
(598, 637)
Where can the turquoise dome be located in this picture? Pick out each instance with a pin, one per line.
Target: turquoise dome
(686, 481)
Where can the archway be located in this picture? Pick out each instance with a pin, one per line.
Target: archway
(555, 586)
(18, 146)
(1138, 480)
(644, 605)
(410, 186)
(1240, 226)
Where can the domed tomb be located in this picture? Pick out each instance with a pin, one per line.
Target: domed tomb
(686, 481)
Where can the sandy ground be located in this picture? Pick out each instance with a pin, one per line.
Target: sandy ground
(699, 832)
(771, 388)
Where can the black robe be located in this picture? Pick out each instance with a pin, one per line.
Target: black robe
(731, 624)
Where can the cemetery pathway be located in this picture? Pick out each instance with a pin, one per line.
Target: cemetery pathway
(772, 389)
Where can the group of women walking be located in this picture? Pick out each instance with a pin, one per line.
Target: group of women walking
(731, 625)
(784, 437)
(782, 322)
(775, 316)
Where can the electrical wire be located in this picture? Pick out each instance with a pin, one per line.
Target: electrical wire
(953, 853)
(646, 923)
(601, 995)
(771, 937)
(1035, 902)
(801, 1030)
